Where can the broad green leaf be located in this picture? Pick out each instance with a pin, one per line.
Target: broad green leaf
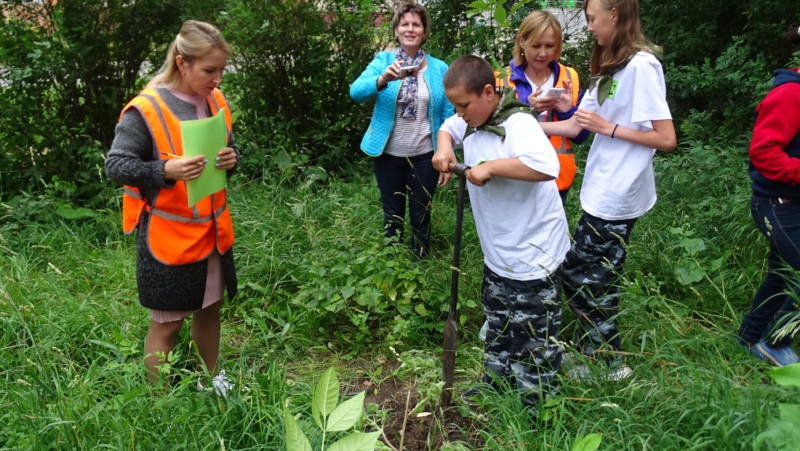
(66, 211)
(692, 245)
(687, 272)
(788, 376)
(282, 160)
(297, 209)
(255, 286)
(589, 443)
(357, 441)
(345, 415)
(500, 15)
(347, 292)
(295, 440)
(790, 413)
(316, 173)
(781, 435)
(325, 396)
(420, 309)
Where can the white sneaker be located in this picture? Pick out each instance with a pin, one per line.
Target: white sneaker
(484, 329)
(583, 373)
(221, 384)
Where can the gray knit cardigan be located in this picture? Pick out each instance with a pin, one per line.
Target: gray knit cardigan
(133, 160)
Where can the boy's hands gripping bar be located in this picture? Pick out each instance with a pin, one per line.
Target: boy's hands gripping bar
(460, 169)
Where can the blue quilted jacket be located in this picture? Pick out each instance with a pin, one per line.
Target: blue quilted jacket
(382, 123)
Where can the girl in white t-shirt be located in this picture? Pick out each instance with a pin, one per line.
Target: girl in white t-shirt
(627, 110)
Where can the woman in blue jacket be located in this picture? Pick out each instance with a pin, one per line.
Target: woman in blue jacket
(410, 108)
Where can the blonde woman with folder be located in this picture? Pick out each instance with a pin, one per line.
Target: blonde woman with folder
(184, 253)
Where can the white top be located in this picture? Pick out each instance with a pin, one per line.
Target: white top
(411, 138)
(521, 225)
(618, 182)
(550, 83)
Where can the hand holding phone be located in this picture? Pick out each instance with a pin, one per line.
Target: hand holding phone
(554, 92)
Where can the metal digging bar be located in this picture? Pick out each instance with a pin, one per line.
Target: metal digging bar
(451, 326)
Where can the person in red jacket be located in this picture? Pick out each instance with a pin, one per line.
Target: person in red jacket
(775, 205)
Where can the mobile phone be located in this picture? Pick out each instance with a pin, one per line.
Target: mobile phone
(408, 71)
(554, 92)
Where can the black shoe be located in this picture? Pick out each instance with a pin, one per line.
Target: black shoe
(470, 396)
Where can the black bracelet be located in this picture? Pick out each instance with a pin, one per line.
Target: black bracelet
(614, 131)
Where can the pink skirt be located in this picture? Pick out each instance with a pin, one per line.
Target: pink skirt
(213, 294)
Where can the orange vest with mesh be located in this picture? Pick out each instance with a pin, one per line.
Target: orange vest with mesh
(177, 234)
(561, 144)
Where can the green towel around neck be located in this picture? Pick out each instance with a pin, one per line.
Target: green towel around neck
(604, 83)
(508, 105)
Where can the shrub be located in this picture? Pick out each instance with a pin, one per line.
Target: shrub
(716, 54)
(294, 63)
(67, 69)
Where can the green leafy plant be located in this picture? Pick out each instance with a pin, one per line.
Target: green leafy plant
(783, 433)
(496, 9)
(295, 63)
(692, 267)
(501, 23)
(330, 417)
(366, 287)
(421, 371)
(588, 443)
(67, 68)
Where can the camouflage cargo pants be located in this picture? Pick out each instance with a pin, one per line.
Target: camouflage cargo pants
(524, 320)
(590, 274)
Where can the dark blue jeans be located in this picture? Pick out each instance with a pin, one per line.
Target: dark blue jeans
(774, 301)
(413, 178)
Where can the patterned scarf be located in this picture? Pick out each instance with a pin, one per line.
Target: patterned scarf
(508, 105)
(408, 90)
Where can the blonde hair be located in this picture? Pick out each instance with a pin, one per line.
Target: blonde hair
(410, 6)
(531, 31)
(193, 42)
(627, 37)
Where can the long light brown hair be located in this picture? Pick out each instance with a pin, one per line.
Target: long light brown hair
(627, 37)
(194, 41)
(531, 31)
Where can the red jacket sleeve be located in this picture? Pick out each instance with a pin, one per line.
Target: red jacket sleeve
(778, 123)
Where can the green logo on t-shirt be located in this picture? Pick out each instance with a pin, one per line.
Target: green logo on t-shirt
(613, 89)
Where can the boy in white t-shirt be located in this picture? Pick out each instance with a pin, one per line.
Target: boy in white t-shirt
(626, 107)
(520, 221)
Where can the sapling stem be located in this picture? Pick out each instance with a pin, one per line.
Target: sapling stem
(405, 417)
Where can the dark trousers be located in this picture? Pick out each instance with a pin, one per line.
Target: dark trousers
(563, 195)
(524, 321)
(774, 301)
(590, 273)
(407, 177)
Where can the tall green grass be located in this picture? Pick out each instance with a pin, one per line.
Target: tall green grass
(71, 329)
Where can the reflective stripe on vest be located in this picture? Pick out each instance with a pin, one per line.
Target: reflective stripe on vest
(560, 144)
(177, 234)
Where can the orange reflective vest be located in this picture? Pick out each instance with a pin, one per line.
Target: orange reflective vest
(561, 144)
(177, 234)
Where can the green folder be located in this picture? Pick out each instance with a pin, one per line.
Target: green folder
(205, 137)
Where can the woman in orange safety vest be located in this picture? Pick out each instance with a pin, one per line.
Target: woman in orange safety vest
(533, 71)
(184, 256)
